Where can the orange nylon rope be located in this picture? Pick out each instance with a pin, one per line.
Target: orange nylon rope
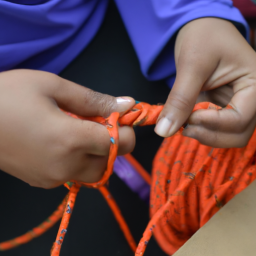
(190, 181)
(74, 189)
(119, 218)
(37, 231)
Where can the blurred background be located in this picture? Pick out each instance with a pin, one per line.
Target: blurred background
(248, 9)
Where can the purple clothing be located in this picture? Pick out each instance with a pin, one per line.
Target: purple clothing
(152, 26)
(48, 35)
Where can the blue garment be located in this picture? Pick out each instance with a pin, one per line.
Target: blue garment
(48, 35)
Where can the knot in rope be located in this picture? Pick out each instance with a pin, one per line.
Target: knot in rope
(190, 183)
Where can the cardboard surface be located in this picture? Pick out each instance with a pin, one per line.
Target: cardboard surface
(230, 232)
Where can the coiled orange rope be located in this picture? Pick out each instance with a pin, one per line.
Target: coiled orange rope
(190, 182)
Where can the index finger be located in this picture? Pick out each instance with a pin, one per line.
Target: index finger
(226, 127)
(234, 120)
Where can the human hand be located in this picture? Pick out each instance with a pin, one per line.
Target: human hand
(43, 146)
(211, 53)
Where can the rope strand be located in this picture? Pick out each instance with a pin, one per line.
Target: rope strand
(190, 182)
(37, 231)
(119, 218)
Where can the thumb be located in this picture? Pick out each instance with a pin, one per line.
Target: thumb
(178, 106)
(193, 70)
(86, 102)
(196, 60)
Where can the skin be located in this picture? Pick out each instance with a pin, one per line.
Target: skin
(43, 146)
(212, 56)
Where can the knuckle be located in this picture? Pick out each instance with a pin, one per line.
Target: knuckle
(216, 126)
(92, 95)
(57, 170)
(57, 175)
(97, 140)
(52, 81)
(213, 121)
(70, 145)
(180, 102)
(194, 132)
(66, 140)
(103, 102)
(204, 136)
(106, 107)
(127, 140)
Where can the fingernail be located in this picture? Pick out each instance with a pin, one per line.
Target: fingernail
(163, 127)
(124, 104)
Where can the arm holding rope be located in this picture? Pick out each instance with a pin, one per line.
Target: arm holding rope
(43, 146)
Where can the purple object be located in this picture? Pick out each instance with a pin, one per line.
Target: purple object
(153, 24)
(48, 35)
(131, 177)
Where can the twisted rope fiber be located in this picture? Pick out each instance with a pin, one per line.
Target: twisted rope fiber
(190, 183)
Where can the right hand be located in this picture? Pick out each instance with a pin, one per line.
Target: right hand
(208, 61)
(44, 147)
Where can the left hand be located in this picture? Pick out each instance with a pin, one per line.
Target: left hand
(43, 146)
(210, 54)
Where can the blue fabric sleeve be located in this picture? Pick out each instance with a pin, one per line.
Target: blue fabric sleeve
(153, 25)
(46, 35)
